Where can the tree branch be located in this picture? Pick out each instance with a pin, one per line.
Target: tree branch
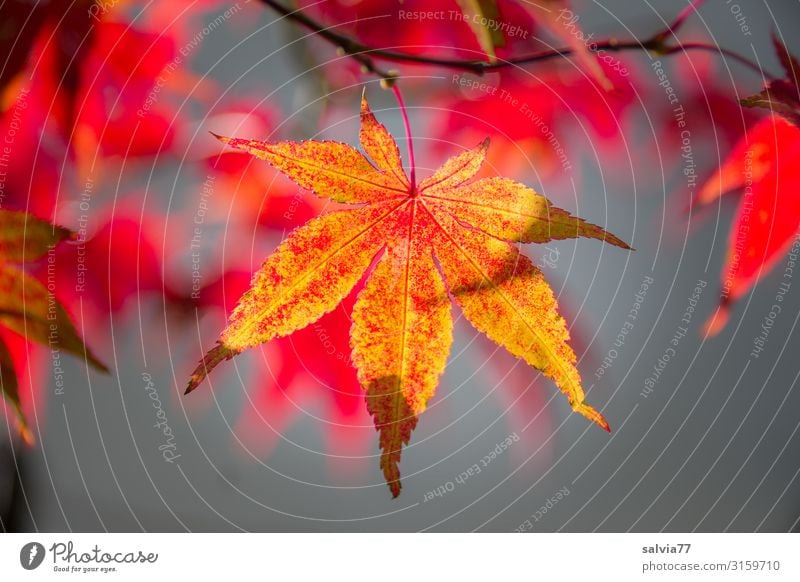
(349, 46)
(656, 44)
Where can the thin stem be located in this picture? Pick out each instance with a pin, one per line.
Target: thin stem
(350, 46)
(685, 13)
(655, 45)
(412, 164)
(365, 55)
(699, 46)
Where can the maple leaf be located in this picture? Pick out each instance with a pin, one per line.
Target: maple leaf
(26, 306)
(767, 220)
(766, 164)
(781, 96)
(446, 238)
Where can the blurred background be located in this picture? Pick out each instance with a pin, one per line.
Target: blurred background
(106, 112)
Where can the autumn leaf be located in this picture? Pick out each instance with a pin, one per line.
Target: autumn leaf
(756, 153)
(765, 164)
(27, 307)
(768, 219)
(446, 239)
(394, 421)
(781, 96)
(482, 16)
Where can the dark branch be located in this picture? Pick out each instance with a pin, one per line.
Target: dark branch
(657, 44)
(349, 46)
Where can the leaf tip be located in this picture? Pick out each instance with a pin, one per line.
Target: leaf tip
(366, 112)
(605, 83)
(211, 360)
(221, 138)
(97, 364)
(27, 435)
(618, 242)
(751, 101)
(717, 322)
(67, 234)
(591, 414)
(709, 192)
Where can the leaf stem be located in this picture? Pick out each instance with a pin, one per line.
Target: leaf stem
(684, 14)
(412, 164)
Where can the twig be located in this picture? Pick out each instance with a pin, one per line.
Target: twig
(349, 46)
(684, 14)
(657, 44)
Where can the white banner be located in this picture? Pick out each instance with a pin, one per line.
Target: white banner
(400, 557)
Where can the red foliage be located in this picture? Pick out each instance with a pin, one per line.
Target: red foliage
(766, 165)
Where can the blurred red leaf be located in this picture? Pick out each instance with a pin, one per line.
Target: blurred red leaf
(118, 262)
(532, 117)
(766, 164)
(124, 105)
(557, 17)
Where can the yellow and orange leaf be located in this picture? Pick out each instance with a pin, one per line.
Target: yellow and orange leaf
(381, 147)
(401, 322)
(305, 278)
(394, 421)
(434, 242)
(511, 211)
(506, 297)
(455, 171)
(329, 169)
